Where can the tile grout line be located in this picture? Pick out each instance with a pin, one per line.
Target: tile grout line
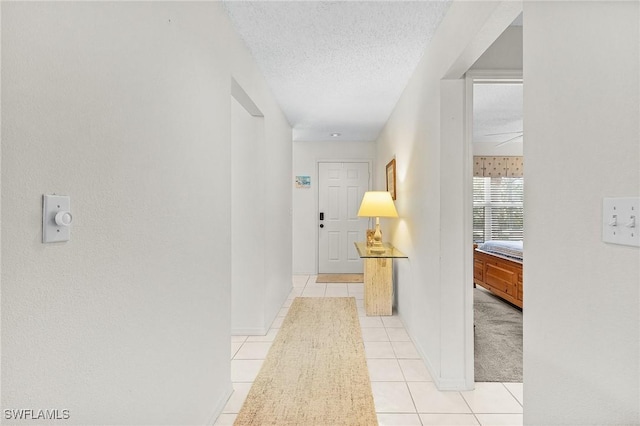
(415, 411)
(468, 405)
(475, 417)
(415, 407)
(514, 397)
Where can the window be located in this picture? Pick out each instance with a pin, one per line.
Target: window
(498, 212)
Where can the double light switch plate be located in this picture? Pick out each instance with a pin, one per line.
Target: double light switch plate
(620, 221)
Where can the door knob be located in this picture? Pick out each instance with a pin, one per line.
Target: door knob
(322, 225)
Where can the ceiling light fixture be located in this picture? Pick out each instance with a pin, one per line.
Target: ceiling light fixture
(335, 135)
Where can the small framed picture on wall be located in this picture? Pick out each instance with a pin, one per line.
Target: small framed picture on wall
(391, 178)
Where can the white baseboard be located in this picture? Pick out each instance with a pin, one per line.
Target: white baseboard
(257, 331)
(452, 385)
(441, 383)
(219, 405)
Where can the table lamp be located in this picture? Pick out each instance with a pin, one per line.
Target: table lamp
(377, 204)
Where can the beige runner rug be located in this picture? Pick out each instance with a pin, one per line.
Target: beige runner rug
(315, 372)
(340, 278)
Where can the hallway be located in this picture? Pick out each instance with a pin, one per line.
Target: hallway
(402, 387)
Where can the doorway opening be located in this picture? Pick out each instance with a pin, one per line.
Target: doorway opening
(497, 139)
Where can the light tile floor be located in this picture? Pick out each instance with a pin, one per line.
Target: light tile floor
(403, 391)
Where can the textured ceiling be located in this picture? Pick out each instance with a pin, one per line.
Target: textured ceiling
(497, 112)
(339, 66)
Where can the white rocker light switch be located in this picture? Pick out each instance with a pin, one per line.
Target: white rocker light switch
(620, 221)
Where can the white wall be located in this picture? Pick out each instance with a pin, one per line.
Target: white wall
(581, 108)
(305, 201)
(504, 54)
(126, 108)
(278, 214)
(261, 227)
(431, 300)
(247, 222)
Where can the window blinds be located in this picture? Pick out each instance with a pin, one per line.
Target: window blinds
(498, 212)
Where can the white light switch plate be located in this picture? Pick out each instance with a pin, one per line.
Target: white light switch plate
(621, 221)
(51, 231)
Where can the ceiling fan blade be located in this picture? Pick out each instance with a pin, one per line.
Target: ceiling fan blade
(508, 140)
(505, 133)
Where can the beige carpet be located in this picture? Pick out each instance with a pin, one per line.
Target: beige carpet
(498, 338)
(315, 372)
(340, 278)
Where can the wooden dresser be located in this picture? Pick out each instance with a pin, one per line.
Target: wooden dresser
(499, 275)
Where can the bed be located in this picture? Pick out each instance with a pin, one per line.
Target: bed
(497, 266)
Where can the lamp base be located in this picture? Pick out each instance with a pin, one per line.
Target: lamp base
(376, 246)
(377, 249)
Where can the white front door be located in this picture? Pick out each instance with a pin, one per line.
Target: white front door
(341, 188)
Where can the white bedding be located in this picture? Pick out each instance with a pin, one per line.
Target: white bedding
(511, 249)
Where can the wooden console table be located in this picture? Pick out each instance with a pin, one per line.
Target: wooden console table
(378, 278)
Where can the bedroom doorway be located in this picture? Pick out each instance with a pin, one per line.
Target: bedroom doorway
(497, 139)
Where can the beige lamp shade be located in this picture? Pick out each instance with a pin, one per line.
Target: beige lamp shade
(377, 204)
